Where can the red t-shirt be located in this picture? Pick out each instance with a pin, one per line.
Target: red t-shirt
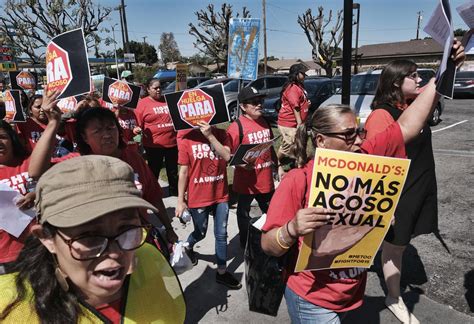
(154, 119)
(15, 177)
(260, 179)
(339, 290)
(144, 179)
(128, 121)
(111, 311)
(30, 132)
(207, 174)
(294, 98)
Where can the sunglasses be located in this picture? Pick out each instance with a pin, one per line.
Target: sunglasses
(254, 102)
(88, 247)
(350, 135)
(413, 75)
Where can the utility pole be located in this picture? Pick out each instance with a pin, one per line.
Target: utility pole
(420, 17)
(264, 39)
(115, 51)
(127, 44)
(347, 53)
(356, 58)
(144, 39)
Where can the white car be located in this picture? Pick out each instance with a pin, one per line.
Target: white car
(363, 87)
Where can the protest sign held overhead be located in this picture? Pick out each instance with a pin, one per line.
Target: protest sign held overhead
(120, 93)
(242, 62)
(13, 110)
(181, 77)
(68, 105)
(23, 80)
(361, 192)
(67, 65)
(188, 108)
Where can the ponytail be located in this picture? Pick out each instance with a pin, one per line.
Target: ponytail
(301, 143)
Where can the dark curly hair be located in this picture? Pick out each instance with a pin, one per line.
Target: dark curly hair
(85, 115)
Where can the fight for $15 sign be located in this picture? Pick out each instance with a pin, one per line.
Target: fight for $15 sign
(188, 108)
(361, 192)
(67, 65)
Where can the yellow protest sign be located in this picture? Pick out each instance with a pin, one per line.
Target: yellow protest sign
(361, 191)
(181, 77)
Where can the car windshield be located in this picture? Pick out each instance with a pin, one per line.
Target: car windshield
(465, 74)
(171, 86)
(364, 84)
(209, 82)
(312, 86)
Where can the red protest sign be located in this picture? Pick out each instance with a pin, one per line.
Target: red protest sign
(58, 70)
(26, 80)
(10, 108)
(67, 105)
(195, 106)
(120, 93)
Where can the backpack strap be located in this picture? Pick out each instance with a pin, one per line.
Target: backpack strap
(241, 130)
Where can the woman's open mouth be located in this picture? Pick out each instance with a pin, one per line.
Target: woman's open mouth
(109, 278)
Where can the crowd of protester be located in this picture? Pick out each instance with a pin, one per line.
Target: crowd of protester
(93, 181)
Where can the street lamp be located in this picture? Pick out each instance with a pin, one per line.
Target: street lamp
(356, 6)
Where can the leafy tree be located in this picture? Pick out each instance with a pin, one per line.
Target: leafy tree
(198, 59)
(315, 27)
(144, 52)
(212, 31)
(459, 32)
(35, 22)
(169, 48)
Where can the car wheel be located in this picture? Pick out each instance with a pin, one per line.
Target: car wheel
(233, 113)
(436, 116)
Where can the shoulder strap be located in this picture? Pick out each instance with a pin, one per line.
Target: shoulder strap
(241, 130)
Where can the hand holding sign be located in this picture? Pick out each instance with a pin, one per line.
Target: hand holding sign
(307, 220)
(50, 105)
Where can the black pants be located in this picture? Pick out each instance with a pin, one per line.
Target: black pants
(243, 212)
(155, 158)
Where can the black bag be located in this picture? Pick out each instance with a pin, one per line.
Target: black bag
(264, 275)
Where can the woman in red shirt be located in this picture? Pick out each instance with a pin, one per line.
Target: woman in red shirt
(98, 132)
(14, 161)
(158, 134)
(322, 295)
(293, 111)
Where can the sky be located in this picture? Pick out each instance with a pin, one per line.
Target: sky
(381, 21)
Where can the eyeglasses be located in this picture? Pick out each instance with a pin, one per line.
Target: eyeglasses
(88, 247)
(413, 75)
(350, 135)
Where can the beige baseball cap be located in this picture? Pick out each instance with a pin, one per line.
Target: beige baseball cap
(79, 190)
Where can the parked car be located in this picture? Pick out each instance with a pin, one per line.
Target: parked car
(191, 83)
(318, 89)
(231, 89)
(363, 87)
(464, 84)
(270, 85)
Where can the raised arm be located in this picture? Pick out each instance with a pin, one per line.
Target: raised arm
(41, 155)
(222, 150)
(414, 117)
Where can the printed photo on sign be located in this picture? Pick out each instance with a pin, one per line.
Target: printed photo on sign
(242, 62)
(67, 65)
(120, 93)
(250, 153)
(23, 80)
(362, 192)
(181, 77)
(13, 107)
(188, 108)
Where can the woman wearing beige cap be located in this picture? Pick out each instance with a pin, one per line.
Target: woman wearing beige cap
(88, 260)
